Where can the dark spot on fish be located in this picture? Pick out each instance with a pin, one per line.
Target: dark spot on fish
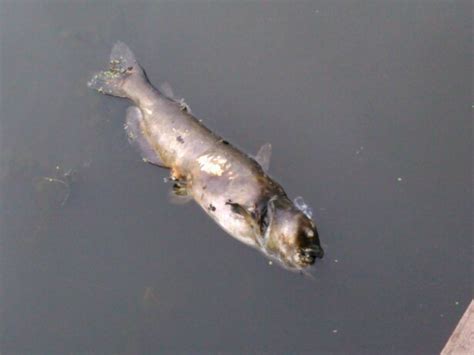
(130, 68)
(204, 187)
(225, 142)
(235, 207)
(180, 139)
(211, 207)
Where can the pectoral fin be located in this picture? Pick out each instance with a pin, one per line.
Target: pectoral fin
(179, 194)
(134, 127)
(263, 156)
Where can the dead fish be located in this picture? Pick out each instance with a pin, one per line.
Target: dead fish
(232, 187)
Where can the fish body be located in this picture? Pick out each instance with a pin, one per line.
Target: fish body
(232, 187)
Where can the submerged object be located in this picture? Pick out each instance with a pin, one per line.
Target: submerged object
(233, 188)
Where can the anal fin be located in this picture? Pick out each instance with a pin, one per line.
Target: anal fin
(134, 127)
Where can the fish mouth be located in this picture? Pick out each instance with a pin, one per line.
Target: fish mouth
(308, 256)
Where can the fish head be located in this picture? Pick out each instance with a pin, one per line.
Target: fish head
(290, 236)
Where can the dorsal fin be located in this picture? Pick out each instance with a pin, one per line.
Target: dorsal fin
(263, 156)
(167, 90)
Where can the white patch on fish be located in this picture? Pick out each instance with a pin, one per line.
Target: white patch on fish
(213, 165)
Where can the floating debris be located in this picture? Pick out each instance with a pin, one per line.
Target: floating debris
(54, 191)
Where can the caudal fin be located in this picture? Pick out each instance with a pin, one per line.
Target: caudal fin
(122, 64)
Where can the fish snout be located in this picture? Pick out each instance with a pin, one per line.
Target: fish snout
(309, 255)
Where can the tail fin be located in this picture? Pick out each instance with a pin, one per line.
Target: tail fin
(122, 64)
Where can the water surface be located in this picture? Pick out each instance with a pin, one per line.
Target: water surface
(368, 108)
